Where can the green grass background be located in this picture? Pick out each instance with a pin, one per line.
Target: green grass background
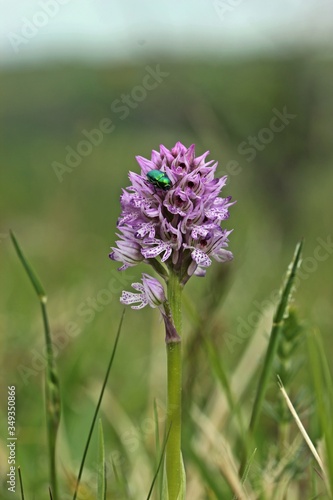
(66, 228)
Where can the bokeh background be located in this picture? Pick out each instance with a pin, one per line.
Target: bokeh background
(226, 69)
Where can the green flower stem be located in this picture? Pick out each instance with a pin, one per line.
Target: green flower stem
(174, 367)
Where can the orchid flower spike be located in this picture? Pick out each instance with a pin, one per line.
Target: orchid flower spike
(172, 214)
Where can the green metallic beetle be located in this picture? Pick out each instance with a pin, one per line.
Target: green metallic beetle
(159, 179)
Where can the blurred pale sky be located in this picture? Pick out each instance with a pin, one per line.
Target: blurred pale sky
(127, 29)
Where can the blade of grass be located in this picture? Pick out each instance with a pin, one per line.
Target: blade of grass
(248, 467)
(322, 381)
(101, 484)
(98, 406)
(328, 380)
(210, 479)
(121, 481)
(157, 443)
(27, 266)
(159, 463)
(52, 392)
(274, 337)
(273, 343)
(220, 454)
(115, 472)
(300, 425)
(21, 483)
(157, 428)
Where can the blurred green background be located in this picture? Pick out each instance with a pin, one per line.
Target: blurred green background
(66, 228)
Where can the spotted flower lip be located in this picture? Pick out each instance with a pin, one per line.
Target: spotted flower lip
(151, 293)
(180, 227)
